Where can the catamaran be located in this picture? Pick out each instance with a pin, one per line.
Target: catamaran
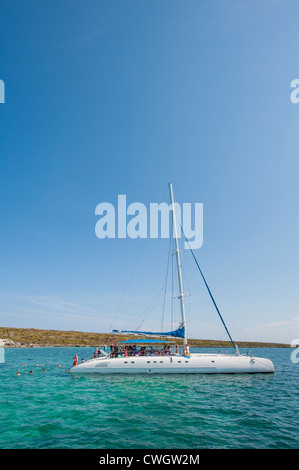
(156, 356)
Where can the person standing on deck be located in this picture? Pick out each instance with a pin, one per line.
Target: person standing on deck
(75, 360)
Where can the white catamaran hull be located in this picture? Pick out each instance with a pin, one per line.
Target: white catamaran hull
(195, 364)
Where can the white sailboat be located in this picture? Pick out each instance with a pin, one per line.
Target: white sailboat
(149, 361)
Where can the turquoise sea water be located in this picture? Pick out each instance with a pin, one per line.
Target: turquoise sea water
(53, 409)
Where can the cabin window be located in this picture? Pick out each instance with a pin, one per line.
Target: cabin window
(179, 361)
(186, 361)
(148, 362)
(126, 362)
(132, 362)
(161, 361)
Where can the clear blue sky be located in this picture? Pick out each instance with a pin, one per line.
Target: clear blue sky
(120, 97)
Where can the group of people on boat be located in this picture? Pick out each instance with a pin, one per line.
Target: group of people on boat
(134, 350)
(139, 351)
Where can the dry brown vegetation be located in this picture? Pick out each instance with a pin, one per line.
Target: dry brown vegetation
(26, 337)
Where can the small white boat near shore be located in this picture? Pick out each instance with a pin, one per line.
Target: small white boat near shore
(160, 361)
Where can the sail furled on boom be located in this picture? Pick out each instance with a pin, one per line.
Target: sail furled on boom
(178, 333)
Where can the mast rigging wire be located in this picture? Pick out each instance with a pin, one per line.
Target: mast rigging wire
(210, 293)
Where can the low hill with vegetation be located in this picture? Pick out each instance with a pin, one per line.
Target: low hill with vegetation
(32, 337)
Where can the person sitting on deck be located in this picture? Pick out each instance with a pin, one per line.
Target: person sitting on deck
(114, 352)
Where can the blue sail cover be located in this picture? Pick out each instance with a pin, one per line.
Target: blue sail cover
(179, 333)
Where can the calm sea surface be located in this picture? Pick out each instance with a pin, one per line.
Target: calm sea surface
(53, 409)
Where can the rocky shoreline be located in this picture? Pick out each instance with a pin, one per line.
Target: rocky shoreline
(8, 343)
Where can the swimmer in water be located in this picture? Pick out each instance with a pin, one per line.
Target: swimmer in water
(18, 373)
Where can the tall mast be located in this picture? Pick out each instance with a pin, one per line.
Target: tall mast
(177, 252)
